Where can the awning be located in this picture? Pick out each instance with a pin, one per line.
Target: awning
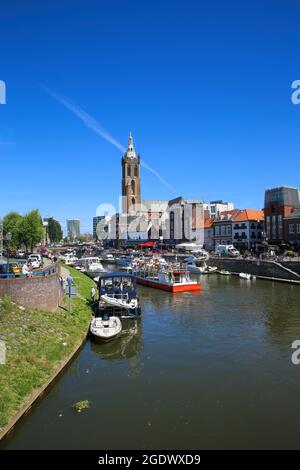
(147, 244)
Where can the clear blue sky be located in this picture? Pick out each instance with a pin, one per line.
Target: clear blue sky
(204, 86)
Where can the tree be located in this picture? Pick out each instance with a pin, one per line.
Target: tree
(11, 223)
(31, 229)
(54, 230)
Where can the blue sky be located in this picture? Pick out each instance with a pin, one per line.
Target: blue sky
(204, 86)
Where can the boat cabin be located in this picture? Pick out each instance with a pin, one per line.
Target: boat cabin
(117, 294)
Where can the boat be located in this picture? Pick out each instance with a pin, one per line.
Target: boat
(70, 260)
(192, 268)
(127, 269)
(108, 258)
(95, 267)
(245, 276)
(124, 260)
(170, 279)
(117, 295)
(211, 270)
(223, 272)
(106, 328)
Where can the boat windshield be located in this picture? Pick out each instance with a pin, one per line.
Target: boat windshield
(118, 285)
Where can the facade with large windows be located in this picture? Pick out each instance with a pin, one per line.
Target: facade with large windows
(279, 204)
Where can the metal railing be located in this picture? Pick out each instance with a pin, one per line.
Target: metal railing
(45, 272)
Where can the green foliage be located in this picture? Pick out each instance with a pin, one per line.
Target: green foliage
(31, 229)
(11, 223)
(55, 232)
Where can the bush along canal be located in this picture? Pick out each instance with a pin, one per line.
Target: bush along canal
(37, 346)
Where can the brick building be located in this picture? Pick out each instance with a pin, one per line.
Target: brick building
(279, 204)
(292, 228)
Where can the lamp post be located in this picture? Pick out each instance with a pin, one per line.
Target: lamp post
(8, 238)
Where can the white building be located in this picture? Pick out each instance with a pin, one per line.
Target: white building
(248, 228)
(214, 208)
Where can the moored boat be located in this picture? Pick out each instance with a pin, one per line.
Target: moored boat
(117, 295)
(171, 280)
(223, 272)
(245, 276)
(106, 328)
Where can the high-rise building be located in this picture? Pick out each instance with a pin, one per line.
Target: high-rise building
(73, 228)
(131, 185)
(96, 220)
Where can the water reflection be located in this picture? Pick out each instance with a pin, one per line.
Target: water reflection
(126, 347)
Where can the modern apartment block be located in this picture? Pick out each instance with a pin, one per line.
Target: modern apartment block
(73, 228)
(96, 221)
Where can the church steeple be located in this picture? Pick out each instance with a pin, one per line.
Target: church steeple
(131, 184)
(130, 152)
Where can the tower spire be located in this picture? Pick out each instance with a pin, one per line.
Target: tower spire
(130, 153)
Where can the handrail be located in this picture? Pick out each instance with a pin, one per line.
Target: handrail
(45, 272)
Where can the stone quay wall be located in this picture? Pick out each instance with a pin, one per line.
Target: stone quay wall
(42, 291)
(286, 270)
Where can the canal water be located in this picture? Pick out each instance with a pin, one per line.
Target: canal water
(198, 371)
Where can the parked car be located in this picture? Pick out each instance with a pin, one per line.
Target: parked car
(10, 268)
(227, 250)
(36, 260)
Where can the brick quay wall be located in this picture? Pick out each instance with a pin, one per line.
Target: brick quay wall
(286, 270)
(42, 292)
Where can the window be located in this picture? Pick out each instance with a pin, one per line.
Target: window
(280, 227)
(217, 231)
(291, 228)
(222, 229)
(135, 170)
(128, 170)
(228, 230)
(298, 228)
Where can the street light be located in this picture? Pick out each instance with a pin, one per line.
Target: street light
(8, 238)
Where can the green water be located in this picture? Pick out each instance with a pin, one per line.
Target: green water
(208, 371)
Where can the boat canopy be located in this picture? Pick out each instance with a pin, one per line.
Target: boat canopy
(117, 274)
(147, 244)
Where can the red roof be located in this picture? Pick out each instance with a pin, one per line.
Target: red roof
(248, 214)
(208, 223)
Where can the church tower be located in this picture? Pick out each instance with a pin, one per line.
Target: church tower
(131, 184)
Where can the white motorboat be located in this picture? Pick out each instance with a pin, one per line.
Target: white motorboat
(124, 260)
(106, 328)
(95, 267)
(118, 296)
(108, 258)
(192, 268)
(245, 276)
(119, 300)
(211, 269)
(70, 260)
